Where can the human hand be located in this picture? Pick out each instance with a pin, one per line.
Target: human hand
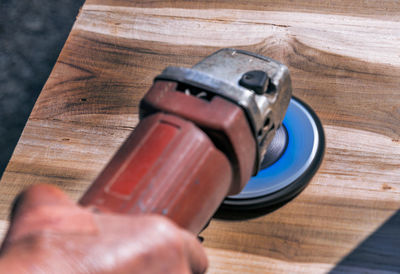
(51, 234)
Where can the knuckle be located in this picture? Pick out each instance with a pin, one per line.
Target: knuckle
(169, 234)
(37, 214)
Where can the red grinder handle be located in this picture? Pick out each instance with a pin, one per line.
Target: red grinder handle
(166, 166)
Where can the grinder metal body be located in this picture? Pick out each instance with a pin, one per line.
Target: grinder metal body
(203, 133)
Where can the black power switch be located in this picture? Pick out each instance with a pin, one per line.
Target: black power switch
(256, 80)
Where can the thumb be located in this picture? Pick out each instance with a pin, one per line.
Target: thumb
(37, 196)
(44, 208)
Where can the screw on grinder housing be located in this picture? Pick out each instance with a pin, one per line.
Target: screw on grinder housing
(202, 134)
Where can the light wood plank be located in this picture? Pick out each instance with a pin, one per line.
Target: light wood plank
(344, 62)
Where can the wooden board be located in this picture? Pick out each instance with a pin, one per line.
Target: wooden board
(344, 59)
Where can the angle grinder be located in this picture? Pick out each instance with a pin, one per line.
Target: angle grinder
(203, 132)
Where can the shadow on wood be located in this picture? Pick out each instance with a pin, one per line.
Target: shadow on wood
(379, 252)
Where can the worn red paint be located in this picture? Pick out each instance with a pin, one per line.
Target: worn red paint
(140, 163)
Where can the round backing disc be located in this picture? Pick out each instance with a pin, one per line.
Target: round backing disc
(285, 177)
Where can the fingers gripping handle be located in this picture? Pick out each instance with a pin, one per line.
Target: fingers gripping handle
(166, 166)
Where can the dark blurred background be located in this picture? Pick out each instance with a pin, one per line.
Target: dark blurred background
(32, 34)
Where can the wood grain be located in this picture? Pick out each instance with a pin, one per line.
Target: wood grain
(344, 60)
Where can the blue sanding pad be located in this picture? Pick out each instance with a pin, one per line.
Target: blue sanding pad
(299, 146)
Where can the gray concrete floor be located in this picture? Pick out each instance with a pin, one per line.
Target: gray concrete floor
(32, 33)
